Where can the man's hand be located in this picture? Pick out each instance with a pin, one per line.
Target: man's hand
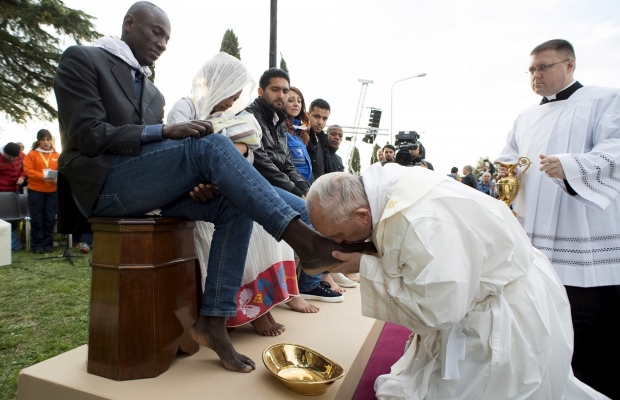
(20, 180)
(195, 129)
(552, 167)
(350, 262)
(204, 192)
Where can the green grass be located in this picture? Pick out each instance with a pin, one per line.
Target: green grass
(44, 306)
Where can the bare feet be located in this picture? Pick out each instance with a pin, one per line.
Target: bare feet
(326, 276)
(276, 325)
(211, 332)
(315, 250)
(265, 327)
(301, 305)
(354, 277)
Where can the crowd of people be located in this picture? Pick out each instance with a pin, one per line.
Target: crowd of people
(279, 222)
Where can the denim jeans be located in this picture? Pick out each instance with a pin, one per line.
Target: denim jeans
(42, 208)
(306, 283)
(163, 175)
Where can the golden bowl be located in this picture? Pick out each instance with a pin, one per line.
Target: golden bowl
(301, 369)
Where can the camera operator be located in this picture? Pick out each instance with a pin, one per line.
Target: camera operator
(411, 152)
(419, 157)
(487, 166)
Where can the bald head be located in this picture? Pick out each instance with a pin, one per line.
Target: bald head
(146, 30)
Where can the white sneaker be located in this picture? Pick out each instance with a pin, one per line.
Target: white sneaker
(343, 281)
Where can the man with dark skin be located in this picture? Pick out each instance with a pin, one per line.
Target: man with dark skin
(334, 138)
(114, 148)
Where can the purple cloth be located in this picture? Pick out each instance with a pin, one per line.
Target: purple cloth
(389, 348)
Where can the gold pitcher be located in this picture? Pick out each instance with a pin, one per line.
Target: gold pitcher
(508, 186)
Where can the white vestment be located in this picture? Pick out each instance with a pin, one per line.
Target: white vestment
(579, 234)
(454, 266)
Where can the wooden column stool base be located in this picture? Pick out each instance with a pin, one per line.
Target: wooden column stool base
(145, 293)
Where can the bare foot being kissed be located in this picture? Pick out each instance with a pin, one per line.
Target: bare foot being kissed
(211, 332)
(301, 305)
(266, 327)
(354, 277)
(326, 276)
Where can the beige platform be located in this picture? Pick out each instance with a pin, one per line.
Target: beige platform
(339, 331)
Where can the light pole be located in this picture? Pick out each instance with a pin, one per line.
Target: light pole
(392, 104)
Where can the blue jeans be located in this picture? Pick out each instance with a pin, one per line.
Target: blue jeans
(163, 175)
(42, 207)
(306, 283)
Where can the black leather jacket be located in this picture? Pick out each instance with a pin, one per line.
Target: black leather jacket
(273, 159)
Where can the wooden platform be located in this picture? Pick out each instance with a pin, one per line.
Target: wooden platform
(339, 331)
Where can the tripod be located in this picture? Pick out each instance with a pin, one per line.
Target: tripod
(66, 254)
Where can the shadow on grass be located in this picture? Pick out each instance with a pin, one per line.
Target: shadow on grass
(44, 304)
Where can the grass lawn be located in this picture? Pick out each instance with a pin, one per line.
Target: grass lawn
(44, 306)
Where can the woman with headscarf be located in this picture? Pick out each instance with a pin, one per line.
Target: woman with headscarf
(220, 89)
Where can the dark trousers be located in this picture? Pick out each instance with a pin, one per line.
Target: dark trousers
(42, 207)
(595, 317)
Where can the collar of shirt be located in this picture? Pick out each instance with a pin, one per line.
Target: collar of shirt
(552, 97)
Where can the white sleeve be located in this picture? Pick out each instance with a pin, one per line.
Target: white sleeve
(595, 175)
(419, 282)
(182, 111)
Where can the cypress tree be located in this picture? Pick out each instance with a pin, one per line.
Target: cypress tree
(230, 44)
(283, 63)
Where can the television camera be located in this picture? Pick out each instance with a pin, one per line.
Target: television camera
(406, 141)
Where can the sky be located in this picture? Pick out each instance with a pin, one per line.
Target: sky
(475, 55)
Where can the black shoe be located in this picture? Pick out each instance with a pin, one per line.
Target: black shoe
(48, 250)
(323, 293)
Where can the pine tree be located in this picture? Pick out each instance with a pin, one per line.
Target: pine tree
(29, 54)
(373, 158)
(354, 166)
(230, 44)
(283, 63)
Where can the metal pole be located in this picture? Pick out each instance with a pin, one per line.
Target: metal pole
(392, 104)
(273, 37)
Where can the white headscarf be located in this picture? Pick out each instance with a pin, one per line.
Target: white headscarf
(220, 78)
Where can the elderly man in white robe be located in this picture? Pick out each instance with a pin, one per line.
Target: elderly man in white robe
(568, 203)
(490, 316)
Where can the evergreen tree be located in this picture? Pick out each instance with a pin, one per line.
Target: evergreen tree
(354, 165)
(373, 158)
(230, 44)
(29, 54)
(283, 63)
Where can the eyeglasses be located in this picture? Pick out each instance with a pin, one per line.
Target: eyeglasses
(544, 67)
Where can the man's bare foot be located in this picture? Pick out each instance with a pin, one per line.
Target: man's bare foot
(276, 325)
(264, 326)
(211, 332)
(315, 250)
(301, 305)
(354, 277)
(326, 276)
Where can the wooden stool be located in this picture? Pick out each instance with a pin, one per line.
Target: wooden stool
(145, 293)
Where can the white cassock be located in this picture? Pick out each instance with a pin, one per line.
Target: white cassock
(454, 266)
(579, 234)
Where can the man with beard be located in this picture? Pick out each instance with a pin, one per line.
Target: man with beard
(389, 152)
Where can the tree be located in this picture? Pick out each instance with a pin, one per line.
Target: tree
(354, 165)
(283, 63)
(230, 44)
(29, 53)
(373, 158)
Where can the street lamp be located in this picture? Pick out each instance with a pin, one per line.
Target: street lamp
(392, 104)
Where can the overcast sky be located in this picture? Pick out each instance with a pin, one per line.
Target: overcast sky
(475, 54)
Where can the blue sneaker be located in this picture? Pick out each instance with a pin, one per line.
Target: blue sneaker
(323, 293)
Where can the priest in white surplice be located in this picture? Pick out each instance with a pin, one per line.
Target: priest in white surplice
(453, 265)
(568, 203)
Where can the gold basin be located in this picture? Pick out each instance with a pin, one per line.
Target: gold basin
(301, 369)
